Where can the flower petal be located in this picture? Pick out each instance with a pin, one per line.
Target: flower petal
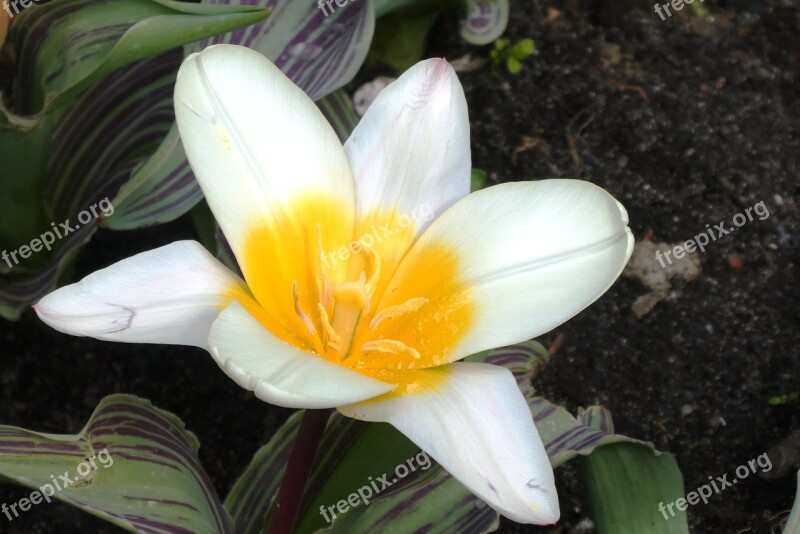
(522, 257)
(168, 295)
(410, 156)
(257, 145)
(410, 153)
(274, 174)
(474, 421)
(278, 372)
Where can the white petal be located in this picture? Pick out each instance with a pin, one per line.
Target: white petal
(474, 421)
(530, 255)
(280, 373)
(256, 143)
(410, 153)
(168, 295)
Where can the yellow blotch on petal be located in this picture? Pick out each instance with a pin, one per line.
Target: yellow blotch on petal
(413, 382)
(287, 258)
(347, 299)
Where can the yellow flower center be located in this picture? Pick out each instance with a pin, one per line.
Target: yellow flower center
(345, 299)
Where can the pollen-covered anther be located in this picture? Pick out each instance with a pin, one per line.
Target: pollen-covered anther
(333, 340)
(390, 346)
(303, 317)
(391, 312)
(374, 269)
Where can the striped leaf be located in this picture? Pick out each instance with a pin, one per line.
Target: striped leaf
(118, 139)
(68, 45)
(486, 21)
(133, 465)
(338, 109)
(318, 49)
(627, 483)
(19, 290)
(383, 7)
(251, 497)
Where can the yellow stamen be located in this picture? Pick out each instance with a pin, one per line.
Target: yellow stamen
(306, 290)
(333, 339)
(307, 321)
(299, 312)
(375, 270)
(390, 346)
(391, 312)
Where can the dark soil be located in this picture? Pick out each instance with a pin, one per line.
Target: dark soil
(688, 122)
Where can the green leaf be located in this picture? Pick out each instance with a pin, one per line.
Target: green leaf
(486, 21)
(435, 503)
(251, 497)
(338, 109)
(626, 484)
(786, 398)
(523, 49)
(793, 523)
(384, 7)
(349, 463)
(477, 179)
(205, 225)
(400, 38)
(146, 474)
(699, 9)
(501, 43)
(513, 65)
(22, 214)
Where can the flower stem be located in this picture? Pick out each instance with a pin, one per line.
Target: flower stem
(290, 495)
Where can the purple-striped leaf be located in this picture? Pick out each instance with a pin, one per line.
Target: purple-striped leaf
(67, 46)
(118, 139)
(133, 465)
(251, 497)
(319, 49)
(338, 109)
(65, 158)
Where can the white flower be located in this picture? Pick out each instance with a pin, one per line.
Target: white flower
(373, 327)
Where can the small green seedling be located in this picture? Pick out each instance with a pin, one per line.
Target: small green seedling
(511, 56)
(786, 398)
(699, 10)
